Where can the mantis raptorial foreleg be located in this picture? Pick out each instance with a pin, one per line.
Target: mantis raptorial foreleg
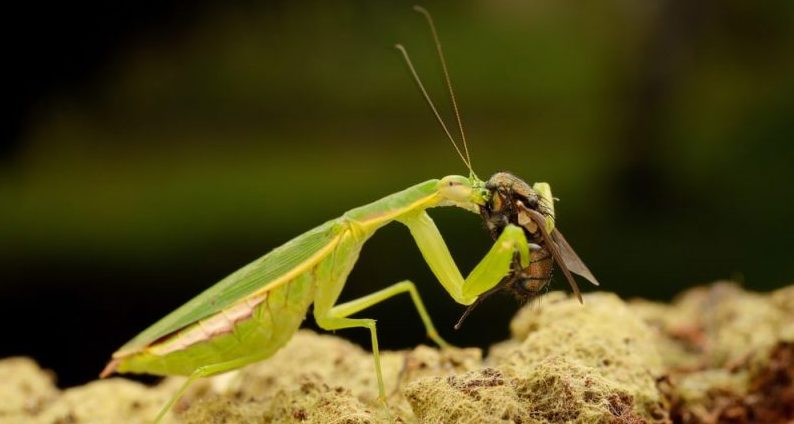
(491, 269)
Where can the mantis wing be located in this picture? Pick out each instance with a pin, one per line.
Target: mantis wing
(291, 257)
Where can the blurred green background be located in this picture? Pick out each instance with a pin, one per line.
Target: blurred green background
(199, 138)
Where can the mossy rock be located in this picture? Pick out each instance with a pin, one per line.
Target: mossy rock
(716, 354)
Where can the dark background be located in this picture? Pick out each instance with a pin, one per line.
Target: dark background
(150, 148)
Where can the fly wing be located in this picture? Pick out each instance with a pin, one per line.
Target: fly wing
(540, 220)
(571, 259)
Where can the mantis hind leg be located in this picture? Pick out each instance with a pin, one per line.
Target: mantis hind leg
(201, 372)
(336, 318)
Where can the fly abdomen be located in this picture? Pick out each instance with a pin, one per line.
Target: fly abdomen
(527, 283)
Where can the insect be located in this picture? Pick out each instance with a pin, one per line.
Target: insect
(249, 315)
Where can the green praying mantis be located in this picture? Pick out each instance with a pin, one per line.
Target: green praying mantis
(249, 315)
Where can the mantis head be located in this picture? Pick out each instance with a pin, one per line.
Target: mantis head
(467, 193)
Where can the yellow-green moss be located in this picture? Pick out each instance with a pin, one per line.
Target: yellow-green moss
(312, 401)
(715, 353)
(25, 389)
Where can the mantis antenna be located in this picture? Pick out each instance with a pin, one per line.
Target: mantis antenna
(466, 159)
(448, 80)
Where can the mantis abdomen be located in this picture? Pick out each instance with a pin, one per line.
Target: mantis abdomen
(262, 323)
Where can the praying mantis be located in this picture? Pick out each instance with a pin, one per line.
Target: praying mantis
(249, 315)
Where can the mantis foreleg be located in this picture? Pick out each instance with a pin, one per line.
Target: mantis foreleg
(491, 269)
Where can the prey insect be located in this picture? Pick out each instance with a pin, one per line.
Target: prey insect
(249, 315)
